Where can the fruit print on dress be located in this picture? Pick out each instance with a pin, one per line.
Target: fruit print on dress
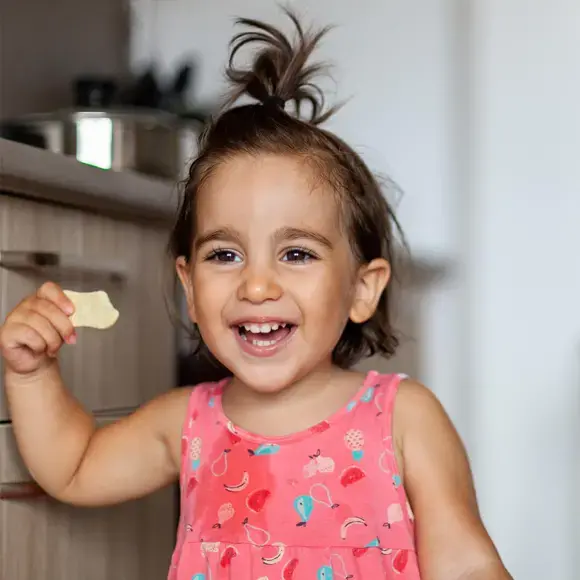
(279, 550)
(366, 397)
(256, 501)
(351, 475)
(335, 570)
(264, 449)
(318, 464)
(247, 499)
(240, 486)
(355, 440)
(258, 537)
(304, 504)
(224, 514)
(386, 453)
(195, 453)
(394, 515)
(352, 521)
(227, 556)
(220, 465)
(289, 571)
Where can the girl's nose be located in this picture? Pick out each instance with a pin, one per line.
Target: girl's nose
(259, 285)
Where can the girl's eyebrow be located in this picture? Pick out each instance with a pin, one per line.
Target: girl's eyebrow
(300, 234)
(228, 234)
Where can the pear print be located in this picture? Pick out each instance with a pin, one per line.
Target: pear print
(220, 465)
(321, 494)
(225, 513)
(394, 515)
(256, 536)
(304, 506)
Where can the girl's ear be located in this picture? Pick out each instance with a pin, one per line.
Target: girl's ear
(372, 279)
(184, 272)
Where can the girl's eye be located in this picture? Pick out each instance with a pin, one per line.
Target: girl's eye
(226, 256)
(298, 255)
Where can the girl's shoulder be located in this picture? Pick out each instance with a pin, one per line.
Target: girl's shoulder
(202, 394)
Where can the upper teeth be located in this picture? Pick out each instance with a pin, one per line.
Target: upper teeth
(264, 328)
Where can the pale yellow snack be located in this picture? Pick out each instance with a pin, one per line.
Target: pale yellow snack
(92, 309)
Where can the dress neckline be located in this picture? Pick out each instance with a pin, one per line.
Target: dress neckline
(366, 391)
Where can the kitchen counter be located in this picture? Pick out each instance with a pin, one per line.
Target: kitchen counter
(39, 174)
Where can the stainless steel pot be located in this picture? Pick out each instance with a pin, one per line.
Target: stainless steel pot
(149, 142)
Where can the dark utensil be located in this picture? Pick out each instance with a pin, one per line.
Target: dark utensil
(146, 92)
(94, 92)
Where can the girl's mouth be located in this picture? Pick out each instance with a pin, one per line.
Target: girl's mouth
(264, 338)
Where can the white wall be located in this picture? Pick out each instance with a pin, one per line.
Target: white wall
(473, 107)
(525, 279)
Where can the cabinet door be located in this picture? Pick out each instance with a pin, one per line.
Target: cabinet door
(134, 360)
(45, 540)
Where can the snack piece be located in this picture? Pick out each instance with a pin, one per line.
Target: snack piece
(92, 309)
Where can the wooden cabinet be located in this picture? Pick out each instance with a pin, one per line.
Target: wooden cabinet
(134, 360)
(109, 371)
(42, 539)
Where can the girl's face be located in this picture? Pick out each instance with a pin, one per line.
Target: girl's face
(272, 279)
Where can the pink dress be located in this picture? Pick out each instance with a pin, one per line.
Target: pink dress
(323, 504)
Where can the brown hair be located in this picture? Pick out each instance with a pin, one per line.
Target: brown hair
(280, 74)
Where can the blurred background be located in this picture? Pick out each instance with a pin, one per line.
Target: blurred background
(473, 108)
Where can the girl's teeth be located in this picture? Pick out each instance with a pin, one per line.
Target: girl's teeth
(259, 342)
(263, 328)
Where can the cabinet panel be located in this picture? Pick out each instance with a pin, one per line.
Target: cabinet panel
(134, 360)
(45, 540)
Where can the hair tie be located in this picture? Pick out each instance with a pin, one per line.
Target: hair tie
(274, 102)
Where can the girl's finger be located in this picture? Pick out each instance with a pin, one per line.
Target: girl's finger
(53, 292)
(45, 329)
(55, 316)
(19, 334)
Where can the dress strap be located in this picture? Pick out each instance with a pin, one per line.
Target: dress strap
(387, 393)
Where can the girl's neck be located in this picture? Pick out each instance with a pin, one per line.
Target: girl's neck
(299, 406)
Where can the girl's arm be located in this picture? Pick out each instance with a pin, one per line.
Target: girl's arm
(452, 543)
(67, 455)
(79, 464)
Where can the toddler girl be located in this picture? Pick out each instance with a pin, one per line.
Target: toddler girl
(295, 467)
